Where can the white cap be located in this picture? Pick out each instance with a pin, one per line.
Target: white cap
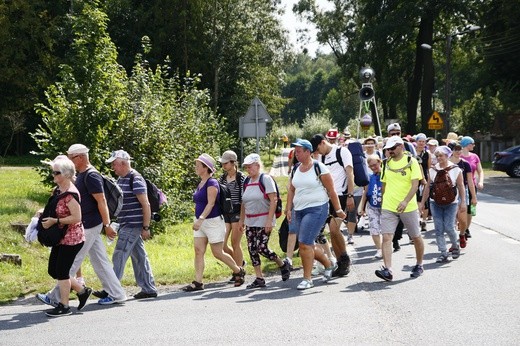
(393, 141)
(77, 149)
(433, 142)
(251, 158)
(118, 154)
(393, 127)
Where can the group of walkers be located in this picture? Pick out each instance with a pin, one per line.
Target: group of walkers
(321, 191)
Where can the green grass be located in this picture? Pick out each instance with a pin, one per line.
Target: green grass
(171, 253)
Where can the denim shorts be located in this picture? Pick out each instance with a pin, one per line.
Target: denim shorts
(309, 221)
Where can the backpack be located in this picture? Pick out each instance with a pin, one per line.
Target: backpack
(261, 185)
(359, 163)
(112, 191)
(317, 168)
(156, 197)
(442, 190)
(408, 165)
(283, 234)
(53, 235)
(238, 179)
(225, 205)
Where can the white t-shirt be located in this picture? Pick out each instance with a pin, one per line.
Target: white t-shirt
(310, 192)
(453, 173)
(255, 203)
(339, 176)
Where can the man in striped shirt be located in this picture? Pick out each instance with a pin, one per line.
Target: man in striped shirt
(134, 220)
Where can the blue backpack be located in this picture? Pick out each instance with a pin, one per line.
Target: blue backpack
(359, 163)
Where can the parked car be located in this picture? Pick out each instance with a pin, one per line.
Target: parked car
(508, 161)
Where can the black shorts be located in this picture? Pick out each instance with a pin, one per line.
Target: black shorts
(332, 211)
(468, 202)
(231, 218)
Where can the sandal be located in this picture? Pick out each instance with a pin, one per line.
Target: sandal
(259, 282)
(239, 277)
(194, 286)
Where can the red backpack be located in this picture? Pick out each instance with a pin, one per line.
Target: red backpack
(442, 190)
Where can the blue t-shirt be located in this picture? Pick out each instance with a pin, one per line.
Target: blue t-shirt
(200, 197)
(132, 211)
(374, 195)
(89, 208)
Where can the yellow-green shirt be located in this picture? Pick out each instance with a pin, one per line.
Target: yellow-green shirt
(398, 185)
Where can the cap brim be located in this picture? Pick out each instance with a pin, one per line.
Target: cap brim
(110, 160)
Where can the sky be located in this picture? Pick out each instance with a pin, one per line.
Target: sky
(292, 24)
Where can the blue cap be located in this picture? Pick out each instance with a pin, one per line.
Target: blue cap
(465, 141)
(303, 143)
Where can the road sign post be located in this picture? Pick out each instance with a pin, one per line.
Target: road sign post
(435, 122)
(254, 123)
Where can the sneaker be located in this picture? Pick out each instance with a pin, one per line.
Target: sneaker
(385, 274)
(462, 241)
(232, 279)
(423, 226)
(285, 271)
(379, 254)
(442, 259)
(258, 283)
(289, 261)
(350, 240)
(59, 310)
(46, 300)
(83, 297)
(144, 295)
(396, 245)
(317, 269)
(417, 271)
(106, 301)
(100, 294)
(343, 268)
(333, 261)
(305, 284)
(327, 274)
(455, 253)
(239, 277)
(467, 234)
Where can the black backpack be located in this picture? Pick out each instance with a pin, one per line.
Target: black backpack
(225, 205)
(54, 234)
(112, 191)
(283, 235)
(152, 191)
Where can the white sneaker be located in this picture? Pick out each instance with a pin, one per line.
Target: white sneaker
(333, 261)
(350, 240)
(327, 274)
(379, 254)
(305, 284)
(317, 269)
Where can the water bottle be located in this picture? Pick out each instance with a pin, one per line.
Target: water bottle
(115, 227)
(473, 210)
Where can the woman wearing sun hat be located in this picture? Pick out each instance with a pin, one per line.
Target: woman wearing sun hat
(209, 226)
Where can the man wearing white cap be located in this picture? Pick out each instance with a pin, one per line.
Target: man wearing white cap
(400, 177)
(95, 216)
(134, 220)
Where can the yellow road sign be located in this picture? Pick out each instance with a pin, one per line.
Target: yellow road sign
(435, 122)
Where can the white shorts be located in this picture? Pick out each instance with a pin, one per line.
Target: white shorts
(374, 220)
(214, 229)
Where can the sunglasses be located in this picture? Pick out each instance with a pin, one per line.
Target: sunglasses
(395, 134)
(393, 148)
(56, 173)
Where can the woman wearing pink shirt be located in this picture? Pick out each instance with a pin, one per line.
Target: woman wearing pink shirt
(467, 143)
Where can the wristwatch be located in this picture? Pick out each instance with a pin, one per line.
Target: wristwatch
(146, 228)
(349, 195)
(106, 225)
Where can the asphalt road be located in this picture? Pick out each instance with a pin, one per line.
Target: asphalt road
(472, 300)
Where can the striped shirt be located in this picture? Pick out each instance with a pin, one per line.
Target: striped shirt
(132, 211)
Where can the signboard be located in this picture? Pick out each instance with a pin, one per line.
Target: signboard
(257, 111)
(435, 122)
(248, 130)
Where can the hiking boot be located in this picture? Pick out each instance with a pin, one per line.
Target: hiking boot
(285, 271)
(59, 310)
(462, 241)
(100, 294)
(455, 253)
(417, 271)
(384, 274)
(467, 234)
(343, 267)
(46, 300)
(442, 259)
(239, 277)
(258, 283)
(83, 297)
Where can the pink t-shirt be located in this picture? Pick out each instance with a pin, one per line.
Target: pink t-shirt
(473, 161)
